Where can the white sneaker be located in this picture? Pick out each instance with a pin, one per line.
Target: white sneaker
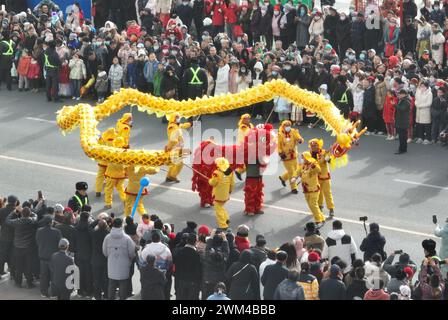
(74, 98)
(207, 205)
(418, 141)
(388, 138)
(426, 142)
(77, 99)
(409, 140)
(380, 133)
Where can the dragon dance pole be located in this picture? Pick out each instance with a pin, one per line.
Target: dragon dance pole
(144, 182)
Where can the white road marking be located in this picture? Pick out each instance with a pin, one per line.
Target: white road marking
(54, 166)
(421, 184)
(41, 120)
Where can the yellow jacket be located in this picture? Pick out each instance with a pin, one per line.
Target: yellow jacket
(124, 128)
(107, 139)
(175, 137)
(323, 163)
(243, 131)
(310, 178)
(287, 143)
(135, 174)
(115, 171)
(222, 185)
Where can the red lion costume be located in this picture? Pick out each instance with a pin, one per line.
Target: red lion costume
(254, 153)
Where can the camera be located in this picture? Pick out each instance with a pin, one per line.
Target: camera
(363, 219)
(398, 251)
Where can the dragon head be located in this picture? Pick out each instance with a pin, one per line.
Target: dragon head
(260, 144)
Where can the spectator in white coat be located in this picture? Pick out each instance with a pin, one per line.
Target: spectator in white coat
(119, 249)
(340, 244)
(222, 78)
(423, 101)
(437, 41)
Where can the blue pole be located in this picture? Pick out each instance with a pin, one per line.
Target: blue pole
(144, 182)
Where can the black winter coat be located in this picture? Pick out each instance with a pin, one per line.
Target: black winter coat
(188, 265)
(408, 38)
(402, 113)
(97, 238)
(47, 239)
(255, 24)
(358, 31)
(214, 266)
(153, 283)
(258, 256)
(6, 231)
(330, 29)
(272, 276)
(68, 232)
(58, 267)
(185, 14)
(83, 242)
(243, 280)
(369, 110)
(24, 230)
(373, 243)
(332, 289)
(343, 35)
(290, 27)
(356, 289)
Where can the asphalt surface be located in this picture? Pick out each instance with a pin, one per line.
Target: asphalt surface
(401, 193)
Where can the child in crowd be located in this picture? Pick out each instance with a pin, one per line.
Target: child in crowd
(101, 86)
(22, 70)
(389, 114)
(130, 73)
(65, 88)
(115, 75)
(33, 75)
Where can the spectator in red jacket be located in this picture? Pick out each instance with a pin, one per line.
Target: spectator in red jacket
(231, 18)
(217, 9)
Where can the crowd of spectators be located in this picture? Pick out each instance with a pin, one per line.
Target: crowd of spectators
(44, 244)
(361, 60)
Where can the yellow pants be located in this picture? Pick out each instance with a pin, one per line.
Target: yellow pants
(221, 214)
(241, 170)
(129, 204)
(112, 184)
(100, 179)
(174, 170)
(291, 169)
(325, 192)
(312, 201)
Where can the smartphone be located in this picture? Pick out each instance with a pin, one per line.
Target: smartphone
(39, 195)
(442, 262)
(172, 227)
(434, 219)
(3, 7)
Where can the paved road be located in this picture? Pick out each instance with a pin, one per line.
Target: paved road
(401, 193)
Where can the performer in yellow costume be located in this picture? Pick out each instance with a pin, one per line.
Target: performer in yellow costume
(106, 139)
(175, 141)
(244, 127)
(222, 183)
(115, 175)
(134, 174)
(288, 138)
(123, 128)
(323, 157)
(309, 173)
